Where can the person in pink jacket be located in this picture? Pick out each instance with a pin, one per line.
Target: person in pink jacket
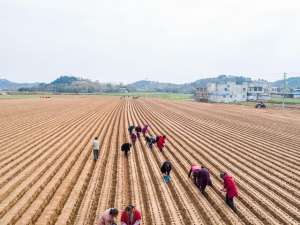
(133, 138)
(193, 169)
(108, 217)
(145, 130)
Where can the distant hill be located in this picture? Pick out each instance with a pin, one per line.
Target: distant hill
(65, 80)
(220, 79)
(72, 84)
(292, 82)
(12, 86)
(152, 86)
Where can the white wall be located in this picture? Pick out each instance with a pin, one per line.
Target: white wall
(229, 92)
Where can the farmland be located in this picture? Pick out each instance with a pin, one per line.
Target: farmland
(47, 175)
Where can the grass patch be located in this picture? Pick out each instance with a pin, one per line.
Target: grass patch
(23, 95)
(18, 96)
(273, 101)
(292, 101)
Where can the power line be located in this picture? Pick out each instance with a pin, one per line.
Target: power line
(284, 90)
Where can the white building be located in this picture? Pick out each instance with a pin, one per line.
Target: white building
(259, 90)
(296, 93)
(227, 92)
(234, 91)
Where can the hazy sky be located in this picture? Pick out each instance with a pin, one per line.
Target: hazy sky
(165, 40)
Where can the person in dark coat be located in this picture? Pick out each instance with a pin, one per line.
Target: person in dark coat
(138, 131)
(150, 141)
(130, 129)
(166, 170)
(157, 138)
(126, 148)
(202, 179)
(230, 188)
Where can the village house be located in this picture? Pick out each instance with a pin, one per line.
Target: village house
(259, 90)
(234, 91)
(227, 92)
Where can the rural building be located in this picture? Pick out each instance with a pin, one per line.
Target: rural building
(123, 90)
(235, 91)
(259, 90)
(227, 92)
(201, 94)
(276, 90)
(296, 93)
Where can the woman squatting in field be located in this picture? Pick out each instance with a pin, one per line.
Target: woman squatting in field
(130, 129)
(131, 216)
(133, 138)
(109, 217)
(145, 130)
(193, 169)
(126, 148)
(201, 177)
(166, 170)
(150, 141)
(138, 131)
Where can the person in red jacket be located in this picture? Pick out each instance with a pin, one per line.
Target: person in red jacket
(131, 216)
(230, 188)
(161, 142)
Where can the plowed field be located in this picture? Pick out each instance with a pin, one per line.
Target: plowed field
(47, 175)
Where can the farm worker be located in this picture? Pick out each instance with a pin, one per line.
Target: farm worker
(193, 170)
(203, 179)
(108, 217)
(126, 148)
(166, 169)
(130, 129)
(230, 188)
(145, 130)
(133, 138)
(96, 147)
(161, 142)
(138, 130)
(131, 216)
(150, 141)
(157, 138)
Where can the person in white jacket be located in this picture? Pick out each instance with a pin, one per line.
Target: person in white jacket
(96, 148)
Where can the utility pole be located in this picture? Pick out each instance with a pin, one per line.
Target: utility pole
(284, 90)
